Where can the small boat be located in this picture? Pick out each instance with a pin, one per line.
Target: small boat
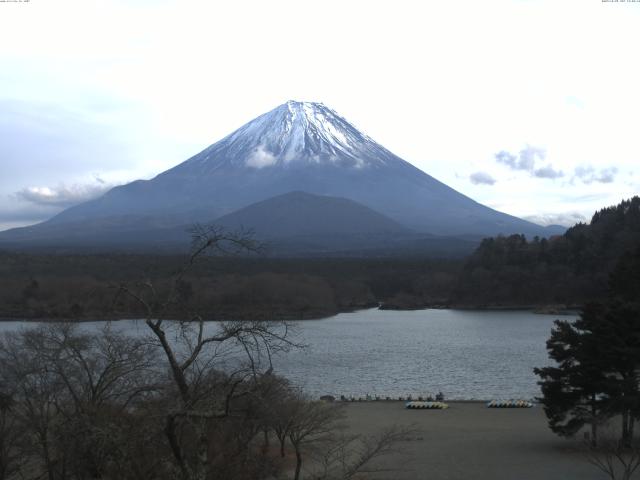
(509, 404)
(418, 405)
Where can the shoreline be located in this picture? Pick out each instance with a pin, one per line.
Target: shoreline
(542, 309)
(452, 401)
(562, 310)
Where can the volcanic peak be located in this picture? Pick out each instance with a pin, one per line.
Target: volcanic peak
(292, 134)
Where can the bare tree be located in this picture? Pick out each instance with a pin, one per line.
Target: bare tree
(11, 458)
(347, 456)
(96, 369)
(192, 351)
(37, 392)
(103, 374)
(280, 410)
(617, 458)
(315, 428)
(72, 392)
(310, 421)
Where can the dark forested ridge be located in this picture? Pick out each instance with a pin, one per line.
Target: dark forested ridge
(567, 269)
(82, 286)
(508, 271)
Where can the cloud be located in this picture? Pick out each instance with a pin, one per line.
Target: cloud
(507, 158)
(261, 158)
(607, 175)
(589, 175)
(481, 178)
(567, 219)
(547, 172)
(525, 160)
(63, 195)
(528, 157)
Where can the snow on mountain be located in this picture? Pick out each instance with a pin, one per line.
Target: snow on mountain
(293, 133)
(298, 146)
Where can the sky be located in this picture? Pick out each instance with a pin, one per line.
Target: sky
(528, 106)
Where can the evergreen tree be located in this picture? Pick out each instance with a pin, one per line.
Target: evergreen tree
(598, 360)
(621, 335)
(574, 391)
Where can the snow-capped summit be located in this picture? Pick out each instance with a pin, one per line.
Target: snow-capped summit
(293, 134)
(298, 146)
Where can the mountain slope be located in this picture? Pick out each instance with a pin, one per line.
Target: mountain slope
(300, 214)
(297, 146)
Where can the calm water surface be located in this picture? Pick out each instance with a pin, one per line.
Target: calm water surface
(465, 354)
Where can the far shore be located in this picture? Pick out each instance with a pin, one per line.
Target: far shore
(543, 309)
(537, 309)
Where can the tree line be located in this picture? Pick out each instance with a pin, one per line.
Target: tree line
(509, 271)
(569, 269)
(80, 287)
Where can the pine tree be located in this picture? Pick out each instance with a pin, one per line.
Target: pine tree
(598, 360)
(574, 391)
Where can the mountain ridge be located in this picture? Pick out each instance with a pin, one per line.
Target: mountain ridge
(298, 146)
(301, 213)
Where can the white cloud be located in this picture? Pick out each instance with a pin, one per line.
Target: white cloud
(261, 158)
(567, 219)
(63, 195)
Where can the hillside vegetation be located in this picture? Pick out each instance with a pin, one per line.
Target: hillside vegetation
(509, 271)
(567, 269)
(83, 286)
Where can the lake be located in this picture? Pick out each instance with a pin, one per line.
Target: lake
(465, 354)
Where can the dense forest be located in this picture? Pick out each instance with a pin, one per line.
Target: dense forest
(84, 286)
(567, 269)
(512, 271)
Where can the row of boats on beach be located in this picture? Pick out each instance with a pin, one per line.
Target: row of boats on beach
(428, 401)
(421, 405)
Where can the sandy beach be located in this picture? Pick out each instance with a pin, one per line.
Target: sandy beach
(470, 441)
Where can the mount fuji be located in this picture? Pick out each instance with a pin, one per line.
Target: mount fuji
(298, 146)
